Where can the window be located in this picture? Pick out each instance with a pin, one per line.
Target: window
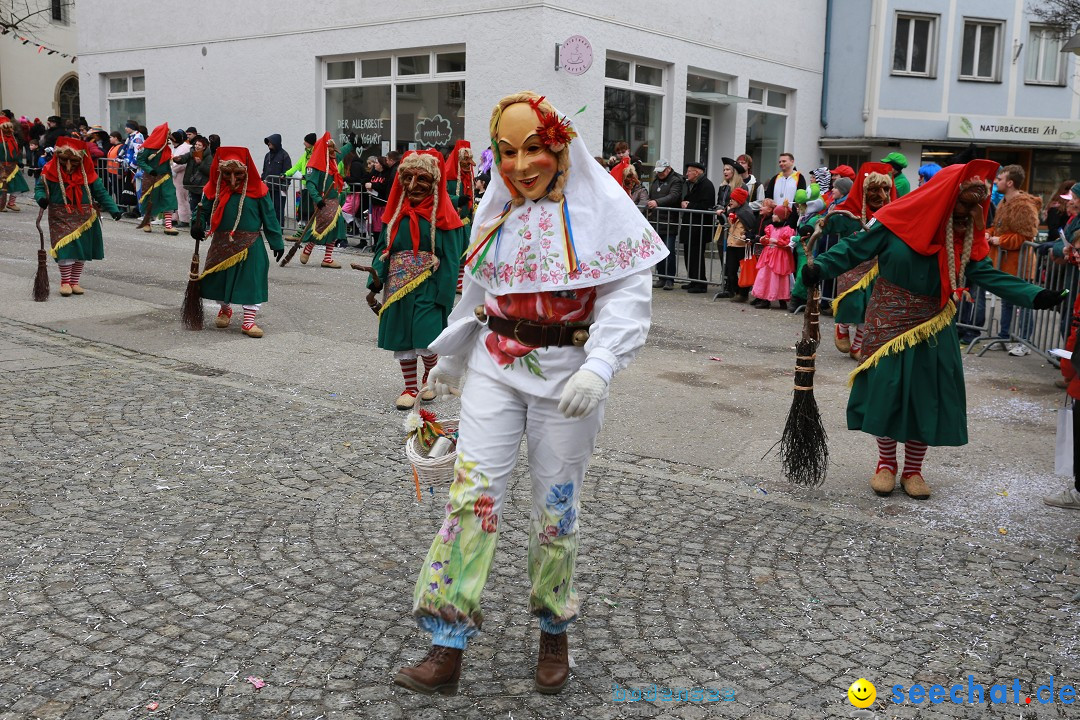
(58, 11)
(853, 160)
(982, 47)
(397, 102)
(634, 108)
(1045, 61)
(915, 45)
(766, 127)
(345, 70)
(127, 99)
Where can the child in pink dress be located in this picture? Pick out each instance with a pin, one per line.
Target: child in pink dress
(776, 262)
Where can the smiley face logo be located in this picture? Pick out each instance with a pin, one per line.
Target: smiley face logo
(862, 693)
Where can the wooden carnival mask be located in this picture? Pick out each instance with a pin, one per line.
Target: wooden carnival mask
(525, 160)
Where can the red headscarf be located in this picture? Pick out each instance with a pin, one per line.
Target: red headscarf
(446, 219)
(920, 217)
(255, 187)
(159, 139)
(619, 172)
(320, 160)
(452, 169)
(8, 134)
(72, 182)
(853, 202)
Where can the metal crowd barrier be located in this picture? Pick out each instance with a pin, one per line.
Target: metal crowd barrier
(688, 235)
(1038, 330)
(361, 208)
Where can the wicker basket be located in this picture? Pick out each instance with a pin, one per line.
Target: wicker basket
(432, 471)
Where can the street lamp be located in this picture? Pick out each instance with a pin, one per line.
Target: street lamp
(1073, 45)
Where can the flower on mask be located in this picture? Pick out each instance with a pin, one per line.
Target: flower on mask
(555, 132)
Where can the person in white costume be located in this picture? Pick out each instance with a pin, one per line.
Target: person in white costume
(557, 298)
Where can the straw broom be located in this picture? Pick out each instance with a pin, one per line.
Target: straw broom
(804, 449)
(192, 311)
(41, 279)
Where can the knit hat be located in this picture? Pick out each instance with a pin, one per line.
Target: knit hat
(739, 195)
(843, 184)
(310, 138)
(781, 213)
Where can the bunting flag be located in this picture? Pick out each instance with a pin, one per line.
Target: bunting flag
(40, 48)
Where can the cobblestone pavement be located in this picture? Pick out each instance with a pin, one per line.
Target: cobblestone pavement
(180, 511)
(168, 531)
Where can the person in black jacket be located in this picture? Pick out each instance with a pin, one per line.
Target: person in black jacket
(697, 228)
(275, 163)
(197, 170)
(56, 129)
(665, 193)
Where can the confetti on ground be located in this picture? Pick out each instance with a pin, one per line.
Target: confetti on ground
(715, 358)
(257, 682)
(1003, 531)
(152, 706)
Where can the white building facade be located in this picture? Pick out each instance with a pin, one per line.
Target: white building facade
(36, 80)
(930, 78)
(693, 81)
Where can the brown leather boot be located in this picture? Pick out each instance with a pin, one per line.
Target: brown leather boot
(553, 664)
(439, 672)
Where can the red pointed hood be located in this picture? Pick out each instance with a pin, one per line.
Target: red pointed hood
(854, 200)
(72, 182)
(255, 187)
(320, 160)
(920, 217)
(452, 169)
(159, 140)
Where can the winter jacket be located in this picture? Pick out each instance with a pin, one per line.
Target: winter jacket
(196, 174)
(667, 193)
(277, 160)
(1015, 222)
(1067, 370)
(301, 164)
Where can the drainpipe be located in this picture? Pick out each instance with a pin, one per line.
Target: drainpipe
(825, 70)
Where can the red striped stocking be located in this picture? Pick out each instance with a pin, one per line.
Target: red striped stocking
(886, 453)
(76, 271)
(914, 452)
(408, 369)
(429, 362)
(65, 274)
(249, 317)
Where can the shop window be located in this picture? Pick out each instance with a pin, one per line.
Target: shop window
(1045, 63)
(399, 102)
(915, 45)
(981, 50)
(126, 99)
(634, 109)
(766, 126)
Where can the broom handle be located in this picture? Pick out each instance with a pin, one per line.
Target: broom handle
(811, 318)
(193, 271)
(40, 232)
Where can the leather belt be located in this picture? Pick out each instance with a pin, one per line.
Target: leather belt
(534, 334)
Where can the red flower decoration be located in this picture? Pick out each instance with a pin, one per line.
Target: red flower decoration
(484, 506)
(555, 132)
(427, 415)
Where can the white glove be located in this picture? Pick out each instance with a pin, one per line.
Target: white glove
(582, 394)
(445, 379)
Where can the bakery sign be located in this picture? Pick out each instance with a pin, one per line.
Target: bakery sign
(999, 129)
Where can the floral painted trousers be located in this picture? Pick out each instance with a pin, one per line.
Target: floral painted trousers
(494, 416)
